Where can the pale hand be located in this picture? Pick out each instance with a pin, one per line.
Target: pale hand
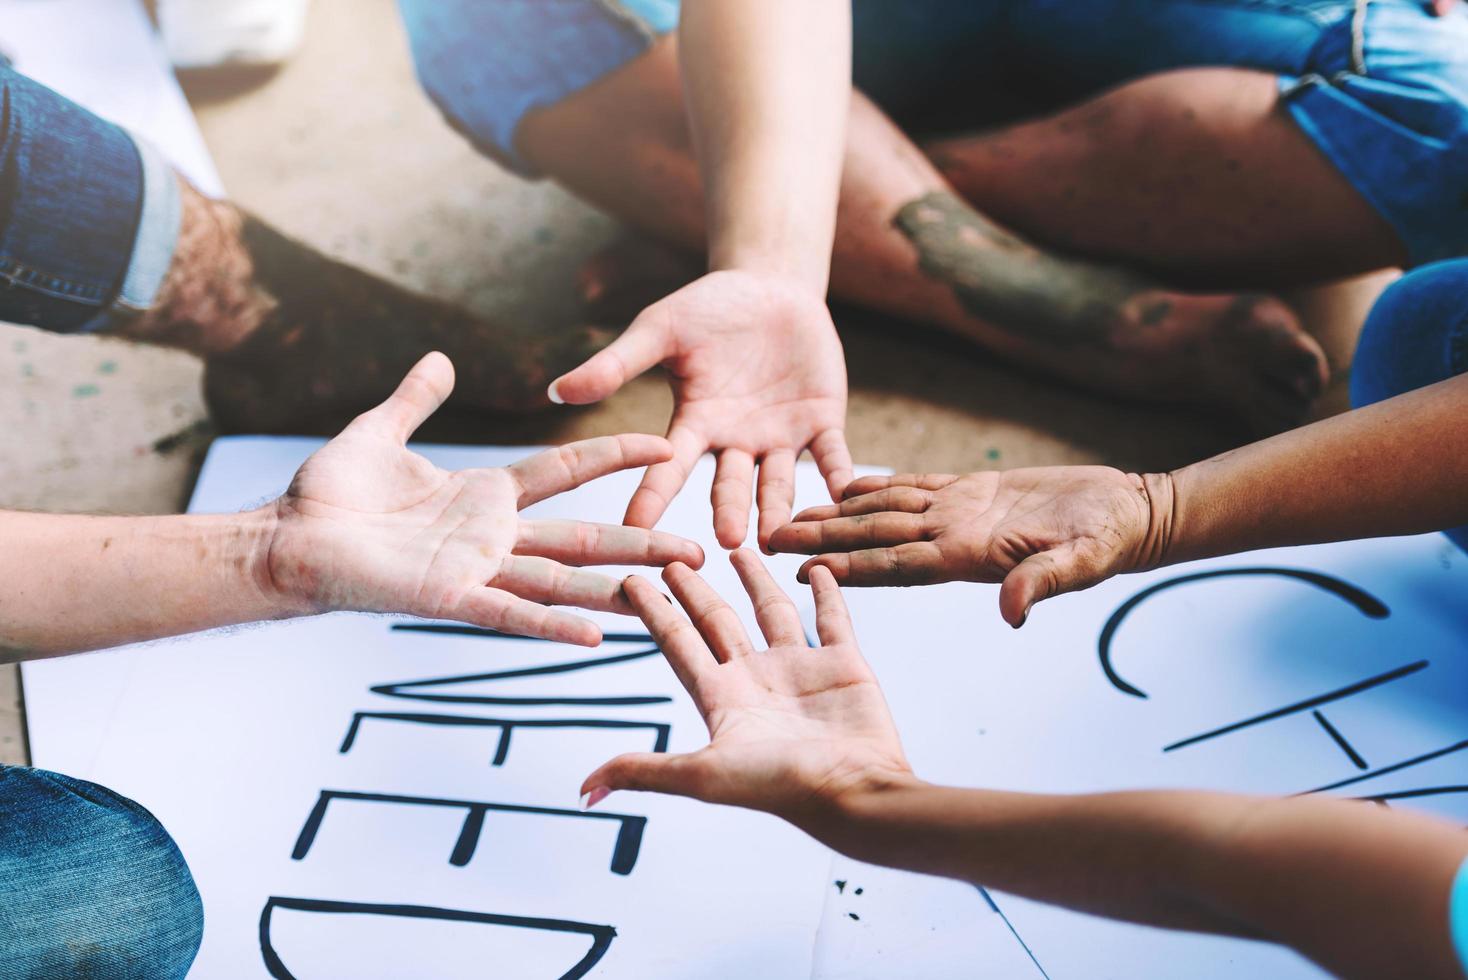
(791, 728)
(368, 525)
(1040, 531)
(758, 376)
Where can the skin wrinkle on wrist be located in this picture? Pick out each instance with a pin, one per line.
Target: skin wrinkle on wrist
(1160, 492)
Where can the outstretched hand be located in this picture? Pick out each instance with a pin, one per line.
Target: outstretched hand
(369, 525)
(791, 728)
(758, 376)
(1040, 531)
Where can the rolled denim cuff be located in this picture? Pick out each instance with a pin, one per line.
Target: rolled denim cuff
(153, 245)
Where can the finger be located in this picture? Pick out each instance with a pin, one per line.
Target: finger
(499, 610)
(923, 481)
(661, 483)
(732, 491)
(682, 647)
(833, 459)
(778, 618)
(1441, 8)
(717, 623)
(920, 563)
(418, 396)
(557, 470)
(546, 581)
(643, 344)
(850, 533)
(652, 772)
(833, 619)
(582, 543)
(1049, 573)
(906, 500)
(776, 493)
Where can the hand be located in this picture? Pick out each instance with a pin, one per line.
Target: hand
(1040, 531)
(758, 376)
(791, 729)
(369, 525)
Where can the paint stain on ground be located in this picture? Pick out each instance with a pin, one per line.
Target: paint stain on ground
(853, 916)
(992, 454)
(85, 391)
(107, 367)
(841, 887)
(20, 347)
(27, 370)
(200, 431)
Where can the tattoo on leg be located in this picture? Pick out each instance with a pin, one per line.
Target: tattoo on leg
(1003, 280)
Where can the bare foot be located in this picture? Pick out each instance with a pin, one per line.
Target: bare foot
(335, 340)
(1246, 356)
(1112, 330)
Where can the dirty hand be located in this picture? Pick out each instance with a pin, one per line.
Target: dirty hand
(369, 525)
(758, 376)
(1040, 531)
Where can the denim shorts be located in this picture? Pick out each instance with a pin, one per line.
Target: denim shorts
(1416, 335)
(1380, 86)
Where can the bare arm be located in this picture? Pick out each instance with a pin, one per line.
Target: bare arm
(81, 583)
(367, 525)
(805, 734)
(757, 371)
(1397, 467)
(768, 86)
(1360, 890)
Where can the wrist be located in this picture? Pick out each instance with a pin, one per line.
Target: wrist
(847, 811)
(275, 566)
(794, 272)
(1160, 491)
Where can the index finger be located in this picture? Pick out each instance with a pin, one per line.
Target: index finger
(583, 543)
(661, 483)
(684, 649)
(923, 481)
(833, 459)
(557, 470)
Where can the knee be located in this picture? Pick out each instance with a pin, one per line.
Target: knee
(96, 887)
(1415, 335)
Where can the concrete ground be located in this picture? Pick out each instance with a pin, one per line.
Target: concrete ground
(341, 150)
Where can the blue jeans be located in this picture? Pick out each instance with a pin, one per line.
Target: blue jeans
(1416, 335)
(88, 214)
(1380, 87)
(91, 885)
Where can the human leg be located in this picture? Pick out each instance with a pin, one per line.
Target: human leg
(94, 885)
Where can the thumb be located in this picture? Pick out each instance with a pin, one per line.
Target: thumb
(653, 772)
(1067, 568)
(426, 387)
(640, 347)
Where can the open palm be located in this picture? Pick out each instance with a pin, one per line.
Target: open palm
(369, 525)
(758, 376)
(1040, 531)
(789, 727)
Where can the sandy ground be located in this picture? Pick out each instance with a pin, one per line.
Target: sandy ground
(342, 150)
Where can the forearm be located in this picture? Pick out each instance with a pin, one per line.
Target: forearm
(768, 86)
(74, 583)
(1361, 890)
(1396, 467)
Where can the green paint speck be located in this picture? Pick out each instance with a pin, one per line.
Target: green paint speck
(544, 235)
(19, 347)
(27, 371)
(992, 454)
(85, 391)
(107, 367)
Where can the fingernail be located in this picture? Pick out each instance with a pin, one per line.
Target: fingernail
(553, 394)
(1024, 616)
(591, 799)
